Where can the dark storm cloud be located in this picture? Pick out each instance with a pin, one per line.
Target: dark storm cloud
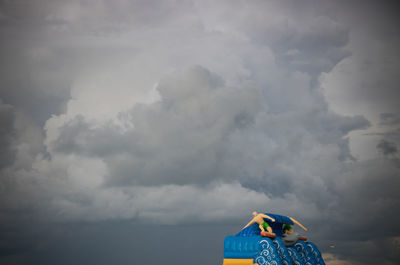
(367, 81)
(390, 133)
(78, 137)
(304, 37)
(7, 135)
(249, 128)
(191, 134)
(178, 140)
(387, 148)
(40, 100)
(317, 49)
(46, 45)
(389, 119)
(376, 197)
(356, 215)
(35, 78)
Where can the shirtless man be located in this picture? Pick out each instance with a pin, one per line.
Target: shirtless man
(290, 237)
(259, 219)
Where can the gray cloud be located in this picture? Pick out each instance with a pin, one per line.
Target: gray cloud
(389, 119)
(367, 77)
(301, 40)
(104, 119)
(191, 136)
(359, 212)
(7, 135)
(387, 148)
(180, 139)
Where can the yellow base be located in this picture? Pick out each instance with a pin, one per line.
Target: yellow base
(238, 262)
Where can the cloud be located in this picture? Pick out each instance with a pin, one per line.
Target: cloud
(301, 40)
(367, 77)
(198, 134)
(387, 148)
(176, 140)
(168, 113)
(7, 135)
(200, 137)
(389, 119)
(365, 82)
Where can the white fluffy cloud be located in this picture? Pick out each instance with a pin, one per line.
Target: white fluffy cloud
(200, 137)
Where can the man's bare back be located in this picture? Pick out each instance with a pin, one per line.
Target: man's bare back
(259, 219)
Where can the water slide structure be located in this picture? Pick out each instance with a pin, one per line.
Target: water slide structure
(248, 247)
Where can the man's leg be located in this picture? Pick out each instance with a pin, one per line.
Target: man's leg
(266, 226)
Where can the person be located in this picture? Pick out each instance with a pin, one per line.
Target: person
(290, 237)
(259, 219)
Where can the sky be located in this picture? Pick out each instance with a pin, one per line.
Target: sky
(144, 132)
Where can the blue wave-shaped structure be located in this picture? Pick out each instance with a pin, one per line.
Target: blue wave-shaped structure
(248, 247)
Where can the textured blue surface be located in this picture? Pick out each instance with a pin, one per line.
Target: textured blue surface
(248, 244)
(295, 256)
(252, 230)
(268, 254)
(305, 252)
(316, 253)
(282, 251)
(236, 247)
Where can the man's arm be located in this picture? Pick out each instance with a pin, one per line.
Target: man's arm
(250, 223)
(297, 223)
(268, 217)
